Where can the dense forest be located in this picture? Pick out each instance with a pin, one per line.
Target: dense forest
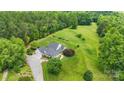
(18, 29)
(31, 26)
(111, 56)
(12, 54)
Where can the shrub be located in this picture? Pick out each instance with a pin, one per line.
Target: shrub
(74, 27)
(63, 39)
(25, 77)
(35, 44)
(121, 76)
(83, 39)
(30, 51)
(78, 35)
(54, 66)
(68, 52)
(16, 69)
(54, 36)
(101, 30)
(88, 75)
(60, 38)
(77, 46)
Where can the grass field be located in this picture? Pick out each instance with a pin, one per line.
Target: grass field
(85, 58)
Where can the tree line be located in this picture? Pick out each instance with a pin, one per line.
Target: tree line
(31, 26)
(111, 50)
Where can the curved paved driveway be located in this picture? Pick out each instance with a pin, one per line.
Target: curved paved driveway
(35, 64)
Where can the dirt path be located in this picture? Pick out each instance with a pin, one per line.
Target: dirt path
(5, 74)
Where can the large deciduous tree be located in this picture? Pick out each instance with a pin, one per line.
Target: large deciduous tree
(54, 66)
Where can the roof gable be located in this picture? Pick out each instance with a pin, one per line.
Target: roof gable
(53, 49)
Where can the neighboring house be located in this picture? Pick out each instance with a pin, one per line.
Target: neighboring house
(52, 50)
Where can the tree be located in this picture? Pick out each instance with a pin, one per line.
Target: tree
(88, 75)
(121, 76)
(31, 26)
(111, 52)
(103, 23)
(73, 20)
(54, 66)
(12, 54)
(111, 45)
(84, 18)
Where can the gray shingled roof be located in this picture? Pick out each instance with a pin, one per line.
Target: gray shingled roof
(52, 49)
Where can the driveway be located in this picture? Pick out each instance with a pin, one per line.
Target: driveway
(34, 61)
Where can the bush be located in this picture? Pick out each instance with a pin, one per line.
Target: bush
(78, 35)
(16, 69)
(101, 30)
(68, 52)
(35, 44)
(83, 39)
(88, 75)
(54, 36)
(60, 38)
(78, 46)
(121, 76)
(25, 77)
(74, 27)
(54, 66)
(30, 51)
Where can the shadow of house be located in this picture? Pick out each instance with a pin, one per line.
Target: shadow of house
(52, 50)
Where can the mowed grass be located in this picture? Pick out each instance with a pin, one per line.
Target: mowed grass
(85, 57)
(1, 75)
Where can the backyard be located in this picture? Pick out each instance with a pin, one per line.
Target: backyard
(85, 58)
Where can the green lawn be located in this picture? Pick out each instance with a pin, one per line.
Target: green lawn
(85, 58)
(1, 75)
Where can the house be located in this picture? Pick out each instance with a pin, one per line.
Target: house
(52, 50)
